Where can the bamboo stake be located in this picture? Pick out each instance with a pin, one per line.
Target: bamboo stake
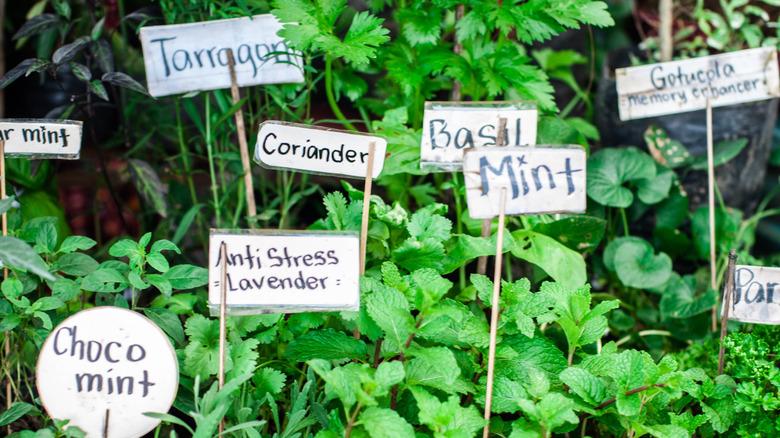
(665, 13)
(364, 217)
(6, 337)
(251, 206)
(711, 203)
(494, 311)
(366, 206)
(460, 10)
(728, 289)
(487, 224)
(105, 423)
(222, 322)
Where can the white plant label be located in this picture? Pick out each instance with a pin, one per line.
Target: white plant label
(543, 179)
(107, 363)
(181, 58)
(451, 128)
(285, 271)
(681, 86)
(41, 138)
(325, 151)
(756, 295)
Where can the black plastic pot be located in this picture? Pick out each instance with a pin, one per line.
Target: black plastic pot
(740, 180)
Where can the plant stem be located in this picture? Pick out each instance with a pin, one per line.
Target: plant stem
(351, 423)
(212, 174)
(458, 223)
(631, 392)
(625, 221)
(334, 106)
(185, 154)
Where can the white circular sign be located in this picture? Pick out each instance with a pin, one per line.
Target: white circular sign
(107, 363)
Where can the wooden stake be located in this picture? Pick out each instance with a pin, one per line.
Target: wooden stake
(487, 224)
(6, 337)
(494, 311)
(711, 203)
(251, 206)
(222, 322)
(460, 10)
(665, 13)
(105, 423)
(728, 288)
(364, 218)
(366, 206)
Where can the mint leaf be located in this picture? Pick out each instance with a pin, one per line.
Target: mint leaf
(325, 344)
(385, 423)
(588, 387)
(435, 367)
(447, 418)
(390, 310)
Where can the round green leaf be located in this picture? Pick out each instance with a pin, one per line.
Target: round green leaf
(610, 169)
(637, 265)
(612, 247)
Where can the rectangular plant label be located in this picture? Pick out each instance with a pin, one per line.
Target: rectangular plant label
(681, 86)
(41, 138)
(450, 128)
(544, 179)
(188, 57)
(325, 151)
(756, 295)
(285, 271)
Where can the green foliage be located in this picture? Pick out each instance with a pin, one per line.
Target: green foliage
(604, 316)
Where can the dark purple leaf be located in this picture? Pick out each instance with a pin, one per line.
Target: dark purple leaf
(125, 81)
(36, 25)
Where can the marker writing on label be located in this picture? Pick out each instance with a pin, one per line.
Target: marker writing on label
(251, 257)
(750, 291)
(67, 343)
(181, 60)
(538, 178)
(464, 137)
(40, 135)
(311, 151)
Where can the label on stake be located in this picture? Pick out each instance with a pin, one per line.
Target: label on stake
(270, 271)
(756, 295)
(311, 149)
(188, 57)
(41, 138)
(107, 359)
(542, 179)
(682, 86)
(451, 128)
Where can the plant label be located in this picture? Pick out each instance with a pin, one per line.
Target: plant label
(545, 179)
(451, 128)
(756, 295)
(41, 138)
(682, 86)
(285, 271)
(193, 57)
(325, 151)
(107, 363)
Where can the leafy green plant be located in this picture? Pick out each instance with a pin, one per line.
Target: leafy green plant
(731, 25)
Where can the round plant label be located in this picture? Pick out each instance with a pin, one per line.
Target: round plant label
(102, 368)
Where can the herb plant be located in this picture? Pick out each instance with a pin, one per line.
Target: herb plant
(605, 321)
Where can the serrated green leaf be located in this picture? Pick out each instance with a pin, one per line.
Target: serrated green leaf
(325, 344)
